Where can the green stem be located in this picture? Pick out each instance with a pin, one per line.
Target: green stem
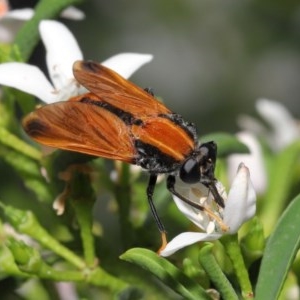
(99, 277)
(233, 250)
(84, 217)
(123, 197)
(22, 260)
(28, 36)
(12, 141)
(46, 272)
(25, 222)
(213, 270)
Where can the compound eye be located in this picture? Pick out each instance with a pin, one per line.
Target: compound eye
(190, 171)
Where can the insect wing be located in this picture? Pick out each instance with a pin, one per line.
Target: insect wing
(112, 88)
(162, 134)
(82, 128)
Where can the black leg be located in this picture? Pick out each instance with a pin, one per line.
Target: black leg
(150, 191)
(171, 187)
(216, 194)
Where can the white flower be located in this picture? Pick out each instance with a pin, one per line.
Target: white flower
(254, 160)
(284, 128)
(12, 20)
(62, 51)
(240, 206)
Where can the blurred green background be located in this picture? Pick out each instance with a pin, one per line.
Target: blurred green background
(212, 58)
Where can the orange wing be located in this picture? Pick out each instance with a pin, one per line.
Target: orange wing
(112, 88)
(82, 128)
(166, 136)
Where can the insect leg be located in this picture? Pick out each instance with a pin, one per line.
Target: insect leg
(216, 194)
(150, 191)
(210, 184)
(171, 187)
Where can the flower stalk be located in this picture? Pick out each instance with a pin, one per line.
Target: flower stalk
(213, 270)
(123, 197)
(82, 199)
(233, 250)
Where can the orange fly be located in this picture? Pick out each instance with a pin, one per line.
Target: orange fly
(120, 121)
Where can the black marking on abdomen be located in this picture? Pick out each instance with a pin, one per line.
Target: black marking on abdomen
(153, 159)
(125, 116)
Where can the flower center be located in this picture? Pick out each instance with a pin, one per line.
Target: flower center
(212, 212)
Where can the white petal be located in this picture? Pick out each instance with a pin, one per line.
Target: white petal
(241, 202)
(72, 13)
(23, 14)
(200, 194)
(254, 160)
(285, 128)
(185, 239)
(27, 78)
(62, 50)
(197, 217)
(126, 64)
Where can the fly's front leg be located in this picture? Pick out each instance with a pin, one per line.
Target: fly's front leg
(218, 198)
(171, 180)
(171, 187)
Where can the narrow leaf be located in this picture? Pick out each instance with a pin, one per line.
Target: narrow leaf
(166, 272)
(280, 252)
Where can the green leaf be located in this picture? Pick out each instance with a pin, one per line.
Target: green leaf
(166, 272)
(279, 254)
(282, 174)
(227, 143)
